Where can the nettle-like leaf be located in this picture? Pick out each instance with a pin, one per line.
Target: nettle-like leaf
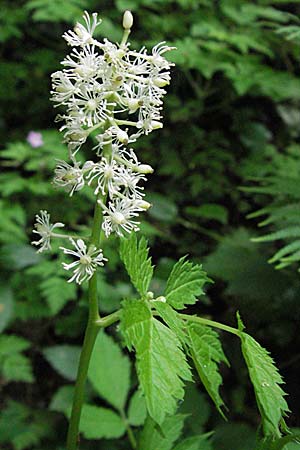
(266, 381)
(161, 363)
(107, 364)
(172, 319)
(134, 254)
(153, 438)
(185, 284)
(206, 352)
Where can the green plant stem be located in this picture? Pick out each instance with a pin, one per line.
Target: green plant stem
(88, 343)
(129, 431)
(108, 320)
(210, 323)
(92, 328)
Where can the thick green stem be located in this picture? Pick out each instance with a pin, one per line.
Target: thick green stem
(210, 323)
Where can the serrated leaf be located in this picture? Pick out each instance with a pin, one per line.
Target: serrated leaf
(171, 318)
(64, 359)
(266, 381)
(206, 351)
(185, 283)
(134, 254)
(161, 363)
(98, 423)
(153, 438)
(109, 363)
(137, 411)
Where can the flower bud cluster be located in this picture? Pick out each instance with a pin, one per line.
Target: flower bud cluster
(115, 94)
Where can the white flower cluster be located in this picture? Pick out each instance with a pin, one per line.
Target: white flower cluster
(115, 94)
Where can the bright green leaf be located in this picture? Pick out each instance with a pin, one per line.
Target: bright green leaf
(185, 283)
(266, 381)
(134, 254)
(161, 363)
(207, 353)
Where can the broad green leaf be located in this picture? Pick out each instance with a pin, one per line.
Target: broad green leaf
(109, 363)
(196, 443)
(161, 363)
(98, 423)
(6, 306)
(153, 438)
(64, 359)
(137, 411)
(266, 381)
(134, 254)
(62, 400)
(206, 351)
(185, 283)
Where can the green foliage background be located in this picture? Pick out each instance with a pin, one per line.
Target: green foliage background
(229, 148)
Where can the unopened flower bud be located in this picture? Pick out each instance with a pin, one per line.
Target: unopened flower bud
(127, 20)
(122, 136)
(144, 168)
(155, 124)
(160, 82)
(143, 204)
(161, 299)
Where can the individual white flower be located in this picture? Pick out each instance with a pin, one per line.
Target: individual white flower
(105, 173)
(71, 177)
(118, 217)
(88, 259)
(45, 229)
(129, 180)
(82, 35)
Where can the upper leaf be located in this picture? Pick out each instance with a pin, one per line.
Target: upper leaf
(185, 283)
(266, 379)
(107, 364)
(134, 254)
(161, 363)
(207, 353)
(153, 439)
